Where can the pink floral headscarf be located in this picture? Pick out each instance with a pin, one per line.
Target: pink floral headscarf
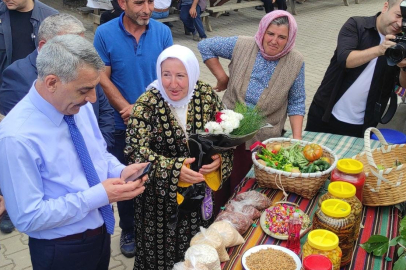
(263, 25)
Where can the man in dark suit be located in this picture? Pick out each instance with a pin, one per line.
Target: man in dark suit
(19, 76)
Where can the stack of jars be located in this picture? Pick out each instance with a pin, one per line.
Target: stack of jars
(335, 216)
(338, 218)
(346, 192)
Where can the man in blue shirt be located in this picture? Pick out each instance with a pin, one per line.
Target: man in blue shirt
(57, 178)
(20, 75)
(129, 46)
(19, 23)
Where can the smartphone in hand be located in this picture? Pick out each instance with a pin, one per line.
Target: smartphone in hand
(139, 174)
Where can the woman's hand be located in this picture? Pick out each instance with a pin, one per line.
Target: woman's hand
(189, 176)
(126, 113)
(221, 84)
(205, 169)
(193, 12)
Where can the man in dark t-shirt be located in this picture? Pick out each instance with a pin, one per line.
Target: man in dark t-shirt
(358, 82)
(22, 34)
(20, 20)
(19, 23)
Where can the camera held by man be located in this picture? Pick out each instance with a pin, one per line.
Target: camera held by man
(397, 53)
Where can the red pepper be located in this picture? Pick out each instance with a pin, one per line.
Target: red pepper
(274, 152)
(276, 163)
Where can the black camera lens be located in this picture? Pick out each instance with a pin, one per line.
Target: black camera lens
(396, 53)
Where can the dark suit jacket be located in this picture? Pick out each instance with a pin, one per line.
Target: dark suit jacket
(18, 79)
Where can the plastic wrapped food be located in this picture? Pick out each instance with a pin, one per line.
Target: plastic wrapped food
(239, 221)
(254, 198)
(244, 208)
(205, 255)
(212, 238)
(191, 264)
(229, 234)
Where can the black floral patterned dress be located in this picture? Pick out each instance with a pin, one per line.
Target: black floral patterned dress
(154, 135)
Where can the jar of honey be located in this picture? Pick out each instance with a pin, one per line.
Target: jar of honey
(351, 171)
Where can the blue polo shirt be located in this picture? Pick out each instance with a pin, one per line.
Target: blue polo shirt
(133, 64)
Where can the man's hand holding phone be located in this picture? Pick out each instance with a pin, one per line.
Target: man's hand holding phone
(129, 185)
(136, 172)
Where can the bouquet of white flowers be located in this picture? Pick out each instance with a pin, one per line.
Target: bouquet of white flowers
(229, 130)
(226, 122)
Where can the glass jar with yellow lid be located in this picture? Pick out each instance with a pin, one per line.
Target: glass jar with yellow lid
(335, 216)
(346, 192)
(325, 243)
(351, 171)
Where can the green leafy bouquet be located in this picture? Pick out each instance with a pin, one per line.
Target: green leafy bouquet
(229, 130)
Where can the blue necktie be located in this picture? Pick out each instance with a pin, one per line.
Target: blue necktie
(90, 172)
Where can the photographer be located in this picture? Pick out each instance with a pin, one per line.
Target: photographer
(358, 82)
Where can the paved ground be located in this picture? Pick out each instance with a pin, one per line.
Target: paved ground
(319, 22)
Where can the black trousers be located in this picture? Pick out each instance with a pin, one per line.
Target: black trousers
(92, 253)
(125, 208)
(334, 126)
(269, 6)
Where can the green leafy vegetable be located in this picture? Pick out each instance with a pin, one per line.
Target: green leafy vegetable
(376, 244)
(400, 264)
(379, 245)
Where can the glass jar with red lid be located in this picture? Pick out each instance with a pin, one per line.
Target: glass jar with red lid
(351, 171)
(317, 262)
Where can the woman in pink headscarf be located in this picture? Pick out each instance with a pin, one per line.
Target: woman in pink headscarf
(265, 71)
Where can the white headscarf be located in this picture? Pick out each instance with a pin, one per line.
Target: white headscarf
(189, 60)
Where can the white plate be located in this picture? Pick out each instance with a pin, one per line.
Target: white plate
(258, 248)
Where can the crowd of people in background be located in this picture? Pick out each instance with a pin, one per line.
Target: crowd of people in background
(83, 119)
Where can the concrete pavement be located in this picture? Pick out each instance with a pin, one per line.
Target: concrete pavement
(319, 22)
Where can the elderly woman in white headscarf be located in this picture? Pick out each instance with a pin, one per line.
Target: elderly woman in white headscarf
(174, 106)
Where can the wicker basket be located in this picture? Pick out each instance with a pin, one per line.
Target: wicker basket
(304, 184)
(388, 186)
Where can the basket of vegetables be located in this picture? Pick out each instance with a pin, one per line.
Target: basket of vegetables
(385, 171)
(293, 165)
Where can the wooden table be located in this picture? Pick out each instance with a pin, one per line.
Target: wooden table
(293, 5)
(376, 220)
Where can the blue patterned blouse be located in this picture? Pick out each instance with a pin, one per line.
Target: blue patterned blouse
(260, 76)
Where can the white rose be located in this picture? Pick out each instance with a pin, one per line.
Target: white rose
(212, 127)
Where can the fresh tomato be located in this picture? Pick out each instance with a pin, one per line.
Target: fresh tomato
(312, 151)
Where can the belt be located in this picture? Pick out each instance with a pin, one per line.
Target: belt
(83, 235)
(161, 10)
